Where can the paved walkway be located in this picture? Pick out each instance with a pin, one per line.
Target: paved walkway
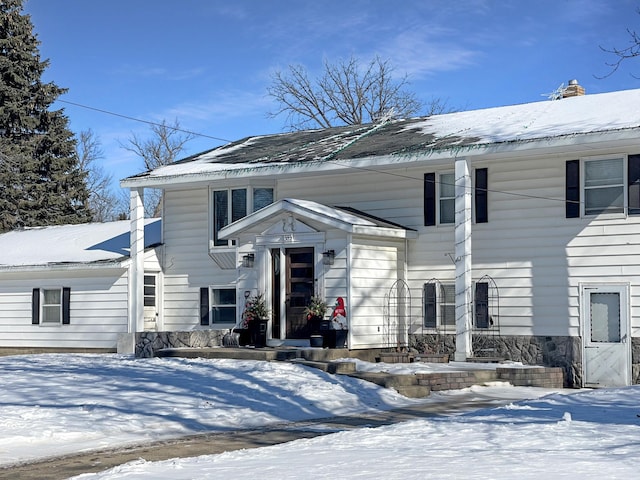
(60, 468)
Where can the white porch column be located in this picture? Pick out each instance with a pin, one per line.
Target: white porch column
(463, 259)
(136, 271)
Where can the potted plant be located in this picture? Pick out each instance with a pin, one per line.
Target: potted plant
(316, 309)
(315, 312)
(255, 317)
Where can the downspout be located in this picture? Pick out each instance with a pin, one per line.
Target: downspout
(136, 270)
(463, 265)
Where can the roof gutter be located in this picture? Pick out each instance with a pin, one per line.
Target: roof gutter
(63, 267)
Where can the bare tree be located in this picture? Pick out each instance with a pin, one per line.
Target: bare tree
(345, 94)
(162, 148)
(104, 203)
(622, 54)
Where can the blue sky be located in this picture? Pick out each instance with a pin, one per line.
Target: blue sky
(208, 63)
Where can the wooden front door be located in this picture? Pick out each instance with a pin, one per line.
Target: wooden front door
(299, 290)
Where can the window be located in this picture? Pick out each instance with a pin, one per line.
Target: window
(441, 193)
(223, 305)
(447, 197)
(603, 185)
(439, 304)
(149, 290)
(448, 305)
(217, 305)
(230, 205)
(50, 306)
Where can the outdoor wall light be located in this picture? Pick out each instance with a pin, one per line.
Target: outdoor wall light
(328, 257)
(248, 260)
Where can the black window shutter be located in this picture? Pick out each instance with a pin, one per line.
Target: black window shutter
(633, 176)
(204, 306)
(429, 199)
(66, 306)
(35, 306)
(429, 292)
(482, 213)
(572, 197)
(482, 305)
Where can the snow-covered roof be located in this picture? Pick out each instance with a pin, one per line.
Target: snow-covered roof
(427, 136)
(88, 243)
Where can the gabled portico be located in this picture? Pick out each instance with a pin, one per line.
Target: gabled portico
(302, 249)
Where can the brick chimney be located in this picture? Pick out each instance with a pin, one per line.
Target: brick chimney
(572, 90)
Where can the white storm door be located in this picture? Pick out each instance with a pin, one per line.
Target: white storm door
(607, 352)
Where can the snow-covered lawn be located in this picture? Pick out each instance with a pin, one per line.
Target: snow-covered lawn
(56, 404)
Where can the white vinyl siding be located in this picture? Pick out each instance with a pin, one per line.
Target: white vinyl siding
(98, 309)
(374, 270)
(535, 255)
(188, 266)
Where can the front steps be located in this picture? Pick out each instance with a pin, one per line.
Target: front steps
(418, 385)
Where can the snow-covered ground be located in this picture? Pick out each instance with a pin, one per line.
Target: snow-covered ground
(56, 404)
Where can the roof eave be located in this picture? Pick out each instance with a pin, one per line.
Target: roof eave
(71, 266)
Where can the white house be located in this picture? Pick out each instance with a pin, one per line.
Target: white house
(509, 232)
(65, 288)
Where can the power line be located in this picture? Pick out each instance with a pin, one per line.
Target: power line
(515, 194)
(143, 121)
(409, 177)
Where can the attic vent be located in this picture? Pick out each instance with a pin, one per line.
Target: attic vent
(574, 89)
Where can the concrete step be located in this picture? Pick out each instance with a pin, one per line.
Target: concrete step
(239, 353)
(342, 368)
(394, 381)
(324, 366)
(387, 380)
(413, 391)
(483, 376)
(324, 354)
(374, 377)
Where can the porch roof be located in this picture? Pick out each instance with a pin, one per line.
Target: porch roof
(343, 218)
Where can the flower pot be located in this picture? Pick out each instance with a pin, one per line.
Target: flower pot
(341, 338)
(258, 332)
(335, 338)
(316, 341)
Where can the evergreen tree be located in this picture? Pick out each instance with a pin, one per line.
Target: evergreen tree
(41, 182)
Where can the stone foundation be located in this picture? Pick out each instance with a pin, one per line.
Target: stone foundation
(635, 360)
(563, 352)
(147, 343)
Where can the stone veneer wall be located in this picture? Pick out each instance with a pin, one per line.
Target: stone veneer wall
(563, 352)
(147, 343)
